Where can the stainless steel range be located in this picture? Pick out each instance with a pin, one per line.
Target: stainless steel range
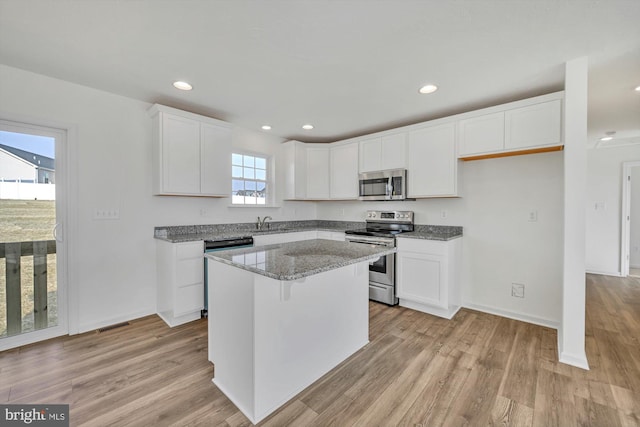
(381, 229)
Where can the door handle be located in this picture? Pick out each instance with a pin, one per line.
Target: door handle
(57, 238)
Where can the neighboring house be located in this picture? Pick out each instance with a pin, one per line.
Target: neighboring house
(23, 166)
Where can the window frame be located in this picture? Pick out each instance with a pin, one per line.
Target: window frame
(268, 181)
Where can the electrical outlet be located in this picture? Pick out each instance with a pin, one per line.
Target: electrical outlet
(104, 214)
(517, 290)
(533, 215)
(443, 213)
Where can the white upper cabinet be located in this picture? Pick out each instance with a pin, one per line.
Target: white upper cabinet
(534, 126)
(343, 167)
(383, 152)
(317, 171)
(215, 159)
(294, 155)
(192, 154)
(320, 171)
(431, 162)
(484, 134)
(522, 127)
(180, 152)
(370, 155)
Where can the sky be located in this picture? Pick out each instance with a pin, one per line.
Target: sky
(43, 145)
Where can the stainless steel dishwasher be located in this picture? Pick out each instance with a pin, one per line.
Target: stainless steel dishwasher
(215, 246)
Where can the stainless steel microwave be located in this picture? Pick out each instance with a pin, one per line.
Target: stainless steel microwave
(383, 185)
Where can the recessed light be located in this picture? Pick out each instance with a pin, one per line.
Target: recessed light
(182, 85)
(637, 89)
(266, 127)
(307, 127)
(609, 136)
(428, 88)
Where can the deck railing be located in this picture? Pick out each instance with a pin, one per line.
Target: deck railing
(13, 252)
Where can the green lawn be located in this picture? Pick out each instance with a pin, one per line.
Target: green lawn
(22, 221)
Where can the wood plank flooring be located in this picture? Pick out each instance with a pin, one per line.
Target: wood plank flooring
(418, 370)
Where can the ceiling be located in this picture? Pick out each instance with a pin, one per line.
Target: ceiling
(348, 67)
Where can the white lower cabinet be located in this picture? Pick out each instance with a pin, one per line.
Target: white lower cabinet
(180, 276)
(330, 235)
(274, 239)
(427, 275)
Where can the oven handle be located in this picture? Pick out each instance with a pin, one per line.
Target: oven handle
(368, 243)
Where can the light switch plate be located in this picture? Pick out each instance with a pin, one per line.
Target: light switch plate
(106, 214)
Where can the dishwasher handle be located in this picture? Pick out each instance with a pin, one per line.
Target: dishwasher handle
(228, 243)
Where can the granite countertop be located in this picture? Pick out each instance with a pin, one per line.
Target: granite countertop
(193, 233)
(295, 260)
(431, 235)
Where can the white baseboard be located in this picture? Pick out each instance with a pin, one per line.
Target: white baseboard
(577, 360)
(434, 311)
(634, 266)
(605, 273)
(513, 315)
(86, 327)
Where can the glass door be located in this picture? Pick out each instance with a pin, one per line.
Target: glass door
(32, 294)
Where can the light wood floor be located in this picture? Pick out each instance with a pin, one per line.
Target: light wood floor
(418, 370)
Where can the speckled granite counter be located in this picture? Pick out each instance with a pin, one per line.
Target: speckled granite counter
(433, 232)
(292, 261)
(192, 233)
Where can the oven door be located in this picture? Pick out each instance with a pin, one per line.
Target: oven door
(382, 270)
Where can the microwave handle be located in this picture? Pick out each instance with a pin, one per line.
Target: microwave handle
(390, 188)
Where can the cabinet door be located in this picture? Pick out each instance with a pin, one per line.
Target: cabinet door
(189, 278)
(317, 172)
(370, 155)
(484, 134)
(393, 151)
(344, 172)
(331, 235)
(432, 163)
(273, 239)
(422, 278)
(180, 155)
(215, 160)
(534, 126)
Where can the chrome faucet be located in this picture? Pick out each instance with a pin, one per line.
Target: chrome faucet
(260, 224)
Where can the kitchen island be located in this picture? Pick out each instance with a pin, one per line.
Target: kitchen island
(281, 316)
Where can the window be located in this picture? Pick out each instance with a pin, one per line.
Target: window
(249, 180)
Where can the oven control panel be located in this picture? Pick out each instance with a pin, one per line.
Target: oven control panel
(390, 216)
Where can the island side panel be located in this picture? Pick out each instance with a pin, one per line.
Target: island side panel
(306, 328)
(231, 331)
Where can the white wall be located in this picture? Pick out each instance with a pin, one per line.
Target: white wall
(634, 253)
(112, 263)
(604, 204)
(500, 245)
